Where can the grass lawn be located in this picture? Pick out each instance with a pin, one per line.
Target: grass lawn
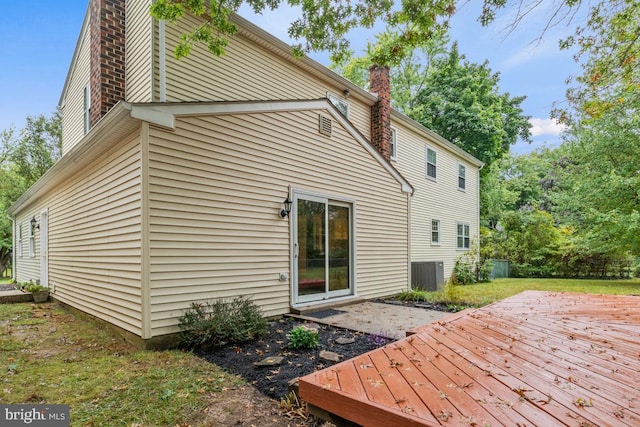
(48, 356)
(486, 293)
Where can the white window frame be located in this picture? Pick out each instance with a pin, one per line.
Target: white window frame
(86, 109)
(32, 240)
(394, 144)
(463, 235)
(435, 231)
(427, 163)
(462, 176)
(19, 248)
(340, 103)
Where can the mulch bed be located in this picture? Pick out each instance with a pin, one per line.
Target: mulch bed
(273, 380)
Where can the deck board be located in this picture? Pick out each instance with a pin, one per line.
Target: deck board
(535, 359)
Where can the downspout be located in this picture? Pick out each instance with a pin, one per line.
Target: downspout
(409, 284)
(162, 61)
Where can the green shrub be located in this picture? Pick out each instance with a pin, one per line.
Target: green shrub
(415, 295)
(303, 337)
(218, 322)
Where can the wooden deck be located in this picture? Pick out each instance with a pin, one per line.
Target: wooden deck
(535, 359)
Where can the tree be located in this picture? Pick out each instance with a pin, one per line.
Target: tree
(599, 183)
(408, 77)
(461, 101)
(608, 43)
(23, 160)
(324, 24)
(39, 147)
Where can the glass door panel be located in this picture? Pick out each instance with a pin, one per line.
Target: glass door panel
(339, 248)
(311, 247)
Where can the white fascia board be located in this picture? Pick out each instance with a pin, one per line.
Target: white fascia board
(157, 117)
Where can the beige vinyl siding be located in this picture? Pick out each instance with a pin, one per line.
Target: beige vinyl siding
(440, 199)
(215, 192)
(247, 72)
(29, 267)
(139, 51)
(73, 109)
(94, 238)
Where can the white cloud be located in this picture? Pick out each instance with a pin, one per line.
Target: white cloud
(545, 127)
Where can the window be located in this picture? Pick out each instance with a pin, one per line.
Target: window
(32, 239)
(431, 164)
(435, 232)
(463, 236)
(339, 103)
(19, 240)
(87, 108)
(462, 183)
(394, 145)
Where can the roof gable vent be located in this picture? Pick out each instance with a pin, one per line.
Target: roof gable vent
(325, 124)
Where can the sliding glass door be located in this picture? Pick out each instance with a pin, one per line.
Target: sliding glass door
(323, 248)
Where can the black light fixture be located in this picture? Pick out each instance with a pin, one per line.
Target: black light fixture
(34, 223)
(287, 207)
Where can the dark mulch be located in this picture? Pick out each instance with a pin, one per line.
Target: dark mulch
(273, 381)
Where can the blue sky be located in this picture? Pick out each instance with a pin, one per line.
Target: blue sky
(39, 37)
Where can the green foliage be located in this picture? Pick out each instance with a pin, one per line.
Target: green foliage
(414, 295)
(221, 321)
(30, 287)
(303, 337)
(461, 101)
(24, 157)
(323, 26)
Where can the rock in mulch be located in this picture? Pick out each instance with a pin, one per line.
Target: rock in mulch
(330, 356)
(269, 361)
(345, 340)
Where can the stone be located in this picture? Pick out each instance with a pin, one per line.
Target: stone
(330, 356)
(269, 361)
(345, 340)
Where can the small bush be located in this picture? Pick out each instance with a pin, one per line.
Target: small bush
(303, 337)
(221, 321)
(415, 295)
(463, 273)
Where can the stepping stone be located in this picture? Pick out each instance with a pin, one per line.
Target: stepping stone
(345, 340)
(330, 356)
(269, 361)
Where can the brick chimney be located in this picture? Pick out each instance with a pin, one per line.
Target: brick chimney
(380, 85)
(107, 40)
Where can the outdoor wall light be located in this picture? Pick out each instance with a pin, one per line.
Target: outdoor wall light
(34, 223)
(287, 207)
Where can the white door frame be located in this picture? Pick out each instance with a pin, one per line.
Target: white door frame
(44, 247)
(322, 198)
